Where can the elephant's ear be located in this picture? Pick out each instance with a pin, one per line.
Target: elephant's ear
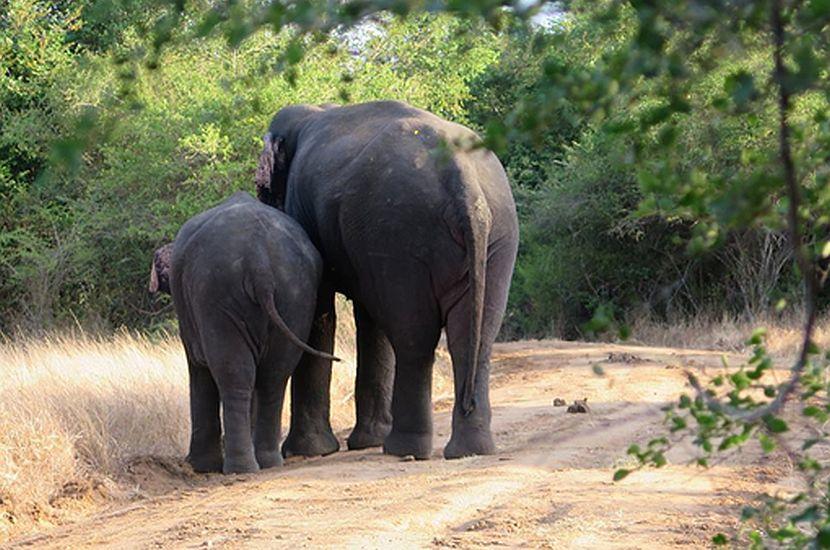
(153, 287)
(272, 172)
(160, 270)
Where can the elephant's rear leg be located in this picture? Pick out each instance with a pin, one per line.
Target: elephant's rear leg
(271, 380)
(205, 453)
(471, 433)
(373, 386)
(233, 368)
(411, 432)
(411, 320)
(311, 433)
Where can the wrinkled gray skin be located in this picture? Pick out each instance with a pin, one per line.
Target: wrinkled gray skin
(244, 279)
(420, 239)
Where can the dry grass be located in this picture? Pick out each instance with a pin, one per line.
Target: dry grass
(784, 333)
(77, 409)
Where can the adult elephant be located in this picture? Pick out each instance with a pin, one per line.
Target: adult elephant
(421, 236)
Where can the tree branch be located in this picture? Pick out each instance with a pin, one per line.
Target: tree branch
(805, 265)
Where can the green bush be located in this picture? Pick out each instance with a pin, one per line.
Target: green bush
(106, 149)
(159, 145)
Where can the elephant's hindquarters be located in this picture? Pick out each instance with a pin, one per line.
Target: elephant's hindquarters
(230, 259)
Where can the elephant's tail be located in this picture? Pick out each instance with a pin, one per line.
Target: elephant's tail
(475, 224)
(267, 301)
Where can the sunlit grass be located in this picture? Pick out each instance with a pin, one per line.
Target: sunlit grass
(76, 409)
(783, 333)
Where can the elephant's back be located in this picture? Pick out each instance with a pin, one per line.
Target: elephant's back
(236, 241)
(387, 161)
(377, 181)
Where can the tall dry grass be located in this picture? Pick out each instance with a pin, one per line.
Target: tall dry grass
(783, 338)
(77, 409)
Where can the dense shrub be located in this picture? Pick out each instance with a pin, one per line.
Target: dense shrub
(104, 153)
(77, 239)
(596, 232)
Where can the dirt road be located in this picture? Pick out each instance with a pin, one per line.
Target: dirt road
(549, 486)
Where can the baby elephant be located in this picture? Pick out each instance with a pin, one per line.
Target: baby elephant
(244, 280)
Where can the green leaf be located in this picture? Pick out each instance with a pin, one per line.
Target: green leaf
(740, 380)
(809, 443)
(294, 53)
(601, 320)
(728, 442)
(786, 532)
(621, 474)
(741, 88)
(757, 337)
(720, 540)
(767, 443)
(819, 9)
(775, 424)
(811, 514)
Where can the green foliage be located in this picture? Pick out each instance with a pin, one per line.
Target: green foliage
(142, 149)
(145, 119)
(718, 420)
(763, 175)
(596, 228)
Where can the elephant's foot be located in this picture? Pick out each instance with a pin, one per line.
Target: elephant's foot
(268, 459)
(317, 443)
(205, 464)
(240, 465)
(468, 443)
(417, 444)
(363, 437)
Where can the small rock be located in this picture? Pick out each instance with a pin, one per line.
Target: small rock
(559, 402)
(579, 406)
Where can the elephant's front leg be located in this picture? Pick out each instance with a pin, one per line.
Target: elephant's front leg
(373, 387)
(311, 433)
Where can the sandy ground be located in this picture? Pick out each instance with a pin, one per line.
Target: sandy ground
(548, 486)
